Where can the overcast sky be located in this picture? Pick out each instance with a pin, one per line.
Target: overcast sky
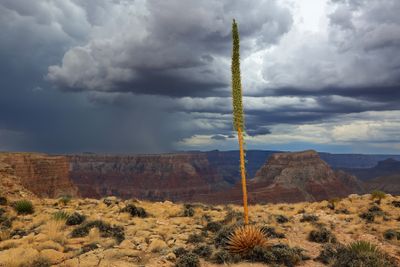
(136, 76)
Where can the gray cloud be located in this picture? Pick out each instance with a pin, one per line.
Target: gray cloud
(157, 52)
(139, 76)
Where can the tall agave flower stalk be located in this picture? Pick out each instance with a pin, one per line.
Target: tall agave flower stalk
(238, 120)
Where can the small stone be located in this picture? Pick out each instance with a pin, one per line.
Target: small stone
(53, 255)
(170, 256)
(126, 244)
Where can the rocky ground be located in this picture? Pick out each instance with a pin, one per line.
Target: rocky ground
(120, 233)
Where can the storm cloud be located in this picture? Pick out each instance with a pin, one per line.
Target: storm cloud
(152, 76)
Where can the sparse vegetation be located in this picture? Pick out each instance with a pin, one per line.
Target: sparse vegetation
(222, 236)
(396, 203)
(360, 254)
(40, 262)
(369, 216)
(378, 195)
(3, 201)
(391, 234)
(135, 211)
(271, 232)
(309, 218)
(188, 260)
(204, 251)
(195, 238)
(75, 219)
(23, 207)
(105, 229)
(60, 216)
(245, 238)
(322, 235)
(281, 219)
(188, 210)
(213, 227)
(65, 199)
(332, 203)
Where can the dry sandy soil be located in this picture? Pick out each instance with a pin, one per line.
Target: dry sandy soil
(151, 241)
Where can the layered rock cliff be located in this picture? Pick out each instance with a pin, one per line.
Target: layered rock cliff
(44, 175)
(293, 177)
(179, 177)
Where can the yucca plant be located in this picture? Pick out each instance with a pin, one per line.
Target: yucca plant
(24, 207)
(245, 238)
(238, 118)
(60, 216)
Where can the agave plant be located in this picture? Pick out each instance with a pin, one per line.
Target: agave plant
(238, 120)
(245, 239)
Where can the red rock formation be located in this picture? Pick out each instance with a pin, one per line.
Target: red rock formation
(10, 185)
(294, 177)
(44, 175)
(178, 177)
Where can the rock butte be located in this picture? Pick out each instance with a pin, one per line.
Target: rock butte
(191, 177)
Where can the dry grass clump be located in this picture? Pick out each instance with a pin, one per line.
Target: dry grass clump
(55, 231)
(245, 238)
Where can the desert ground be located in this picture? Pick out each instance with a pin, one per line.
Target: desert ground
(142, 233)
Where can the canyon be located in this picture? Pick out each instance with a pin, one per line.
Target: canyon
(209, 177)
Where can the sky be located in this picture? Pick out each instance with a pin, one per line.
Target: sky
(137, 76)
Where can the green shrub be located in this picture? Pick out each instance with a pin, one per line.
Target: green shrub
(180, 251)
(271, 232)
(221, 238)
(396, 203)
(75, 219)
(188, 210)
(2, 211)
(105, 229)
(367, 216)
(195, 238)
(286, 255)
(261, 254)
(188, 260)
(135, 211)
(3, 201)
(322, 235)
(328, 253)
(362, 254)
(5, 222)
(373, 211)
(309, 218)
(60, 216)
(40, 262)
(391, 234)
(23, 207)
(65, 199)
(233, 216)
(88, 247)
(281, 219)
(378, 195)
(213, 227)
(224, 257)
(204, 251)
(342, 211)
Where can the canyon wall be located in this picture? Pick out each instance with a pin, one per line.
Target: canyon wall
(177, 177)
(44, 175)
(294, 177)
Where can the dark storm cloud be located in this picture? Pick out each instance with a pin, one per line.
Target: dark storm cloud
(258, 131)
(137, 76)
(158, 52)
